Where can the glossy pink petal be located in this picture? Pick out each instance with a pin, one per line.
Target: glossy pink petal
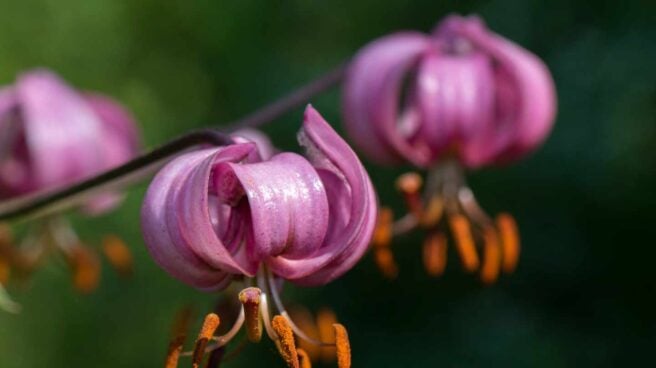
(120, 144)
(263, 143)
(287, 202)
(372, 98)
(353, 207)
(63, 134)
(178, 225)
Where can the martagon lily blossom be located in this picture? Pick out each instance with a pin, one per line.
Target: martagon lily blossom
(461, 97)
(52, 136)
(217, 215)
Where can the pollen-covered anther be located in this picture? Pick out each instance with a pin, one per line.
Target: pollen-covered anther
(210, 324)
(250, 299)
(86, 269)
(461, 231)
(285, 342)
(382, 236)
(384, 259)
(434, 252)
(303, 358)
(118, 254)
(343, 346)
(491, 256)
(174, 350)
(510, 244)
(409, 184)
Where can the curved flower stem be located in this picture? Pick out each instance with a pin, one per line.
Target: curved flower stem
(45, 203)
(293, 100)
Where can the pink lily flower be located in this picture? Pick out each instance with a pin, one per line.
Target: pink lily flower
(51, 136)
(462, 96)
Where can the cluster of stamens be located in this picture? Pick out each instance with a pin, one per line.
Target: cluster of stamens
(55, 236)
(446, 211)
(295, 346)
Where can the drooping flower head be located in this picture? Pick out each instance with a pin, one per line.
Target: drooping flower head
(51, 136)
(461, 91)
(217, 214)
(460, 96)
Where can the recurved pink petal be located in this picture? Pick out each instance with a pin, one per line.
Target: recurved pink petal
(263, 143)
(373, 115)
(63, 134)
(178, 225)
(526, 98)
(353, 206)
(287, 202)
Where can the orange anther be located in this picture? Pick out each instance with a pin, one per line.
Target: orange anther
(464, 240)
(118, 254)
(383, 233)
(86, 269)
(210, 324)
(435, 254)
(343, 346)
(491, 256)
(285, 343)
(384, 259)
(303, 359)
(509, 241)
(173, 353)
(409, 185)
(250, 299)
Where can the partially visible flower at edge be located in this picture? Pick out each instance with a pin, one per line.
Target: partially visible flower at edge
(50, 136)
(214, 216)
(461, 96)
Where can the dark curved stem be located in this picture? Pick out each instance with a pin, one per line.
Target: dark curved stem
(43, 203)
(291, 101)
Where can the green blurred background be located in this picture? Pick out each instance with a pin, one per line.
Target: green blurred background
(584, 291)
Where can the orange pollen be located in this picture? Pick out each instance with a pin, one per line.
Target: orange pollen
(210, 324)
(343, 346)
(303, 359)
(86, 269)
(491, 256)
(409, 185)
(461, 230)
(384, 259)
(250, 299)
(173, 354)
(509, 241)
(383, 233)
(285, 342)
(435, 254)
(118, 254)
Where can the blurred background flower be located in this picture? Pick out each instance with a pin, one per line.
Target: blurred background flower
(584, 201)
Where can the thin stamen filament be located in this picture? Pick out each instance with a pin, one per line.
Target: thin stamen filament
(223, 339)
(283, 312)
